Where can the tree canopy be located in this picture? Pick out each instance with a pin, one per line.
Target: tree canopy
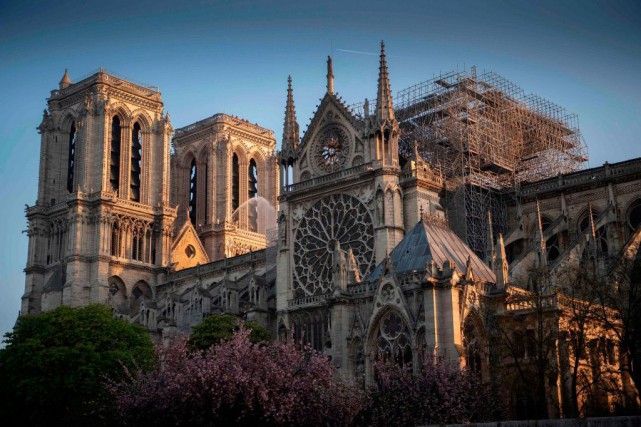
(55, 364)
(217, 328)
(237, 382)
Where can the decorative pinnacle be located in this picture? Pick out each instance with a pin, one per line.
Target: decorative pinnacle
(384, 107)
(290, 129)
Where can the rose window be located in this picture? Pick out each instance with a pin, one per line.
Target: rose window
(332, 149)
(337, 218)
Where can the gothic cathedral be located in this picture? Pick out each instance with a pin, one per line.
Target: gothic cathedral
(347, 239)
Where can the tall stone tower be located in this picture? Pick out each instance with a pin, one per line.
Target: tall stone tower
(342, 214)
(225, 182)
(101, 227)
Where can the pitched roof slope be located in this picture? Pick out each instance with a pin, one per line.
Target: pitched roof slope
(434, 241)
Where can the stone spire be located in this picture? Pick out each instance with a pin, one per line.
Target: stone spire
(330, 75)
(291, 132)
(65, 81)
(500, 265)
(384, 108)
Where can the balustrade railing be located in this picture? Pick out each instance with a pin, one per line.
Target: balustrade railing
(328, 178)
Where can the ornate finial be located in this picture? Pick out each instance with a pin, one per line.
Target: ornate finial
(330, 75)
(366, 108)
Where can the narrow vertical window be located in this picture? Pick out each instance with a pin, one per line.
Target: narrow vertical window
(235, 185)
(114, 170)
(206, 191)
(136, 157)
(72, 157)
(252, 213)
(115, 240)
(193, 184)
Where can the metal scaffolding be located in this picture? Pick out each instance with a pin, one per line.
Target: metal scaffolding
(485, 135)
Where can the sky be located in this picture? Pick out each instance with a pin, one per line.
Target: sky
(234, 57)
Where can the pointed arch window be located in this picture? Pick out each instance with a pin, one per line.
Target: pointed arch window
(72, 157)
(393, 340)
(235, 184)
(136, 162)
(114, 169)
(252, 214)
(193, 186)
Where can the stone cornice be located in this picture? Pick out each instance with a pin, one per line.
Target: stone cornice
(240, 125)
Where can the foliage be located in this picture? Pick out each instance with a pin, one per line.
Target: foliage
(54, 364)
(240, 383)
(439, 393)
(214, 329)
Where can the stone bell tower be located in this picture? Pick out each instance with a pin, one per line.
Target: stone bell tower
(100, 230)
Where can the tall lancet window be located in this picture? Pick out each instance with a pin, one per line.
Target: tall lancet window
(252, 213)
(136, 157)
(235, 183)
(114, 170)
(72, 157)
(193, 185)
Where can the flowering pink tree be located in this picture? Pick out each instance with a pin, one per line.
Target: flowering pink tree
(439, 393)
(239, 383)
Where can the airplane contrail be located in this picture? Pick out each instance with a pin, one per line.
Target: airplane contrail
(356, 51)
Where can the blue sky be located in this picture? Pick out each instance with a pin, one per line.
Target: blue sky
(235, 56)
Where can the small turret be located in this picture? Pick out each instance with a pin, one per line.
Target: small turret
(65, 81)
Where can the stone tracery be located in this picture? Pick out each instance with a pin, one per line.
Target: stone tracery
(338, 217)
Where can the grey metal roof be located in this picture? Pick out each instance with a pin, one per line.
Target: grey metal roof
(434, 241)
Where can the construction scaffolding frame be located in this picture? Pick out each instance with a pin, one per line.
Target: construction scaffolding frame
(486, 136)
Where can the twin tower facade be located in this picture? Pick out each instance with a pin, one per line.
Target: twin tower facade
(118, 209)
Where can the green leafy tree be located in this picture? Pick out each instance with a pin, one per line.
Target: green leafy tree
(55, 364)
(217, 328)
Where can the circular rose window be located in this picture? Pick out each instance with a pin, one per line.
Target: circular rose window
(338, 218)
